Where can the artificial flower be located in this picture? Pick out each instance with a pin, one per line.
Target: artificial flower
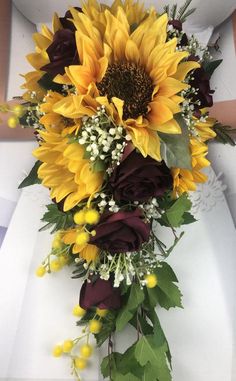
(100, 293)
(87, 251)
(64, 170)
(62, 52)
(121, 232)
(137, 71)
(185, 180)
(138, 178)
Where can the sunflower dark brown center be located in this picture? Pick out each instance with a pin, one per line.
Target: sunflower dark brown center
(130, 83)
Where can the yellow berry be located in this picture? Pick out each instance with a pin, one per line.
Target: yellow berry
(101, 312)
(82, 238)
(55, 265)
(57, 351)
(95, 326)
(86, 350)
(93, 233)
(91, 216)
(78, 311)
(56, 244)
(63, 260)
(79, 217)
(151, 280)
(80, 363)
(40, 271)
(12, 122)
(67, 346)
(18, 110)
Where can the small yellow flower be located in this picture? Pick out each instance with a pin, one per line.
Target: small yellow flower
(91, 216)
(78, 311)
(80, 363)
(55, 265)
(67, 346)
(79, 217)
(12, 122)
(86, 350)
(40, 271)
(95, 326)
(82, 238)
(18, 110)
(57, 351)
(151, 280)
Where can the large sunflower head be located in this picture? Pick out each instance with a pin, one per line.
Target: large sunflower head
(139, 68)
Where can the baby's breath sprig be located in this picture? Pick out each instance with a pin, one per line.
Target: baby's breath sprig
(104, 141)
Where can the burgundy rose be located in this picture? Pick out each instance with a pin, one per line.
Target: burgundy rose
(121, 232)
(65, 21)
(62, 52)
(101, 294)
(201, 81)
(138, 178)
(177, 24)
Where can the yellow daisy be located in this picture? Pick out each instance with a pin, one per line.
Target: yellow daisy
(138, 71)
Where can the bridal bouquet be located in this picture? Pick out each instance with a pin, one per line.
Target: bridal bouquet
(119, 100)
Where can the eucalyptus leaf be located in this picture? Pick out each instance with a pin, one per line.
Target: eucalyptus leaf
(175, 147)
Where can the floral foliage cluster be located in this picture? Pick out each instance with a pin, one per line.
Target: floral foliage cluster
(119, 99)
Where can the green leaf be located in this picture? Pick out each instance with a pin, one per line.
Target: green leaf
(85, 319)
(147, 352)
(176, 212)
(224, 134)
(175, 147)
(135, 299)
(211, 66)
(109, 364)
(99, 166)
(108, 326)
(56, 218)
(149, 373)
(126, 377)
(168, 294)
(46, 82)
(188, 218)
(32, 177)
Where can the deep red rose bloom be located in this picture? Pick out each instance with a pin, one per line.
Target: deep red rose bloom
(138, 178)
(65, 21)
(62, 52)
(101, 294)
(201, 81)
(121, 232)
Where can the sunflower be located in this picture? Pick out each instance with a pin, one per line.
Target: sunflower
(64, 170)
(88, 251)
(138, 72)
(185, 180)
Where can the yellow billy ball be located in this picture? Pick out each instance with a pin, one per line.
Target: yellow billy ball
(63, 260)
(95, 326)
(78, 311)
(80, 363)
(18, 110)
(67, 346)
(151, 280)
(91, 216)
(57, 351)
(12, 122)
(101, 312)
(86, 350)
(40, 271)
(55, 265)
(82, 238)
(79, 217)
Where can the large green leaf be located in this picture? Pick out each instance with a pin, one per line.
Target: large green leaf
(147, 352)
(175, 147)
(211, 66)
(56, 218)
(32, 177)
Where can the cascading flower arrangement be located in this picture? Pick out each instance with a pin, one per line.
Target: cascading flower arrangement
(119, 100)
